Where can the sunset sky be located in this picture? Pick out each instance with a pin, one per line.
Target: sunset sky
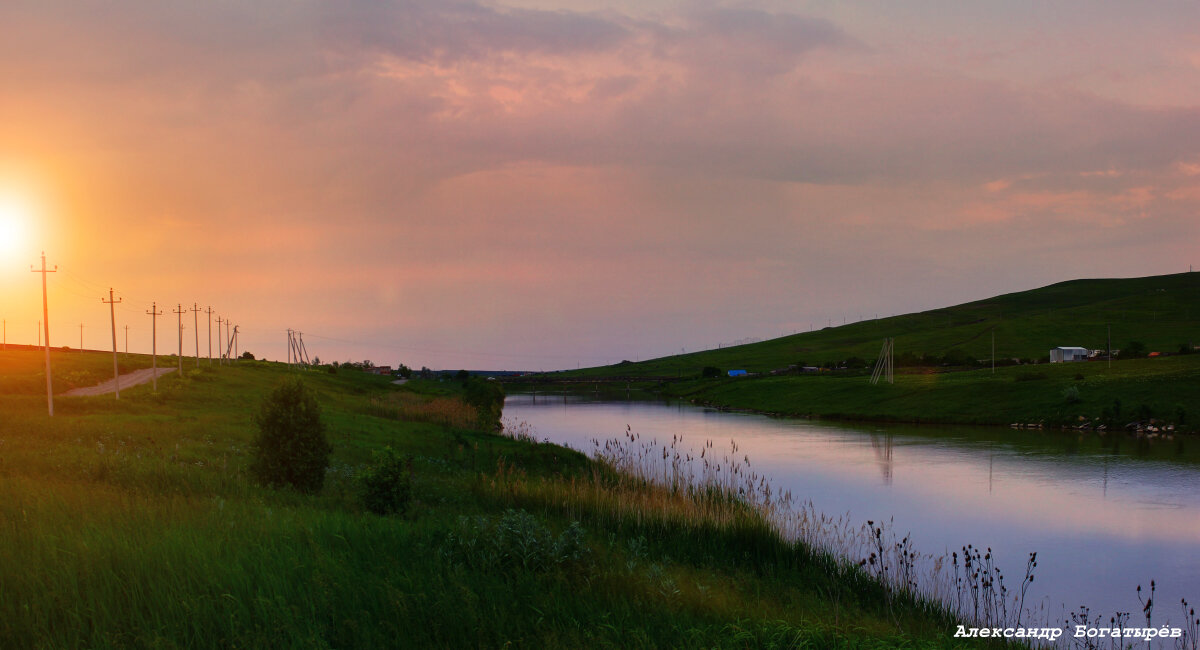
(540, 184)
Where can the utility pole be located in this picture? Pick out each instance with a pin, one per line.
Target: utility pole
(46, 320)
(81, 337)
(179, 310)
(154, 314)
(112, 313)
(196, 325)
(126, 341)
(289, 349)
(209, 311)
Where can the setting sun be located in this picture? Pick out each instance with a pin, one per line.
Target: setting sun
(15, 214)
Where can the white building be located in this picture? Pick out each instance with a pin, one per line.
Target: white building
(1063, 355)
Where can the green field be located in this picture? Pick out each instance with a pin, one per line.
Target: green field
(1162, 312)
(1166, 390)
(135, 523)
(944, 362)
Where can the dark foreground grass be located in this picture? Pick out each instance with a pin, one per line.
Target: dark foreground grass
(135, 524)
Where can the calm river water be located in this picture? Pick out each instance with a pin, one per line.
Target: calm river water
(1103, 516)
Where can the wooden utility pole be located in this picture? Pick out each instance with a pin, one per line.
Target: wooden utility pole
(154, 314)
(112, 314)
(196, 325)
(289, 348)
(126, 341)
(209, 311)
(180, 311)
(46, 321)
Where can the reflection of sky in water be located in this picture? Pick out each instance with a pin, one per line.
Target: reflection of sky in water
(1101, 523)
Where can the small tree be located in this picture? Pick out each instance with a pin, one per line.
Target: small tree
(291, 449)
(487, 398)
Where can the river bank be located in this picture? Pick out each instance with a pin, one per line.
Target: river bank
(1162, 392)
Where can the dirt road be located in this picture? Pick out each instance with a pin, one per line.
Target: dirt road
(128, 380)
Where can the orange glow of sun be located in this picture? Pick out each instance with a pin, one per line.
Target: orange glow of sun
(16, 215)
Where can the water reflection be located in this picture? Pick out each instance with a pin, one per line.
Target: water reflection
(1104, 515)
(883, 452)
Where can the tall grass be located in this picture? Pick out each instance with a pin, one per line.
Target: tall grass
(658, 488)
(402, 405)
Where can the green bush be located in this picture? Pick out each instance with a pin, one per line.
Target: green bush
(387, 484)
(291, 449)
(487, 398)
(1071, 394)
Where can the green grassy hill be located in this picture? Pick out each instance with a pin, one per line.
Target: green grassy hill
(137, 524)
(1162, 312)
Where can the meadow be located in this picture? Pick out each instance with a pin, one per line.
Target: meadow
(1160, 312)
(1165, 390)
(135, 523)
(944, 363)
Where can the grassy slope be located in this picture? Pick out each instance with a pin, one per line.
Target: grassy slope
(24, 368)
(134, 524)
(1160, 311)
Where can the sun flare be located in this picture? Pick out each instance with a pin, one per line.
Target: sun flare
(15, 215)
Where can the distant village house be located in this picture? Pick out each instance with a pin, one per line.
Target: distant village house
(1064, 355)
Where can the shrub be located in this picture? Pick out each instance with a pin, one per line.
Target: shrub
(487, 398)
(711, 371)
(291, 449)
(1071, 394)
(387, 484)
